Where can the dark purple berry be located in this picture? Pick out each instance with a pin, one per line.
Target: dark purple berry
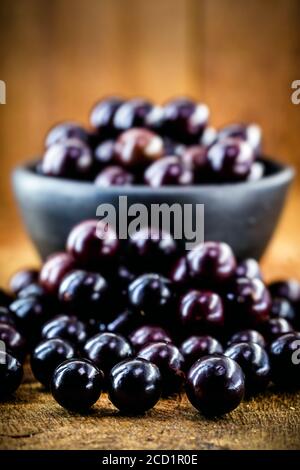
(22, 279)
(276, 327)
(285, 361)
(248, 336)
(65, 327)
(283, 308)
(65, 131)
(289, 289)
(146, 334)
(54, 270)
(13, 340)
(11, 374)
(84, 293)
(251, 133)
(103, 113)
(48, 355)
(30, 313)
(134, 386)
(230, 160)
(195, 347)
(114, 176)
(106, 350)
(132, 113)
(201, 311)
(77, 384)
(68, 159)
(170, 362)
(255, 364)
(138, 147)
(168, 171)
(215, 385)
(249, 268)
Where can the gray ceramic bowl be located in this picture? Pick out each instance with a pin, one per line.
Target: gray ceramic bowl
(241, 214)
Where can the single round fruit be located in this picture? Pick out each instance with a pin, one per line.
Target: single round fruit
(134, 386)
(168, 171)
(251, 133)
(211, 263)
(54, 270)
(103, 113)
(215, 385)
(68, 159)
(170, 362)
(84, 293)
(289, 289)
(248, 336)
(65, 327)
(30, 313)
(106, 350)
(249, 268)
(93, 243)
(276, 327)
(283, 308)
(201, 310)
(285, 363)
(230, 160)
(114, 175)
(13, 340)
(47, 356)
(65, 131)
(146, 334)
(255, 364)
(138, 147)
(77, 384)
(195, 347)
(151, 294)
(11, 374)
(132, 113)
(22, 279)
(248, 303)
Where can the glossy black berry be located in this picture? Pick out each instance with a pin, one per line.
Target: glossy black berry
(215, 385)
(66, 327)
(251, 133)
(93, 243)
(248, 303)
(168, 171)
(255, 364)
(247, 336)
(84, 294)
(134, 386)
(22, 279)
(283, 308)
(285, 361)
(151, 294)
(65, 131)
(68, 159)
(30, 313)
(211, 263)
(200, 311)
(132, 113)
(103, 113)
(47, 356)
(195, 347)
(249, 268)
(289, 289)
(54, 270)
(230, 160)
(170, 362)
(184, 120)
(77, 384)
(13, 340)
(11, 374)
(106, 350)
(146, 334)
(276, 327)
(114, 175)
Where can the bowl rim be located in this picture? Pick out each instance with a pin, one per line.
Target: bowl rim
(283, 173)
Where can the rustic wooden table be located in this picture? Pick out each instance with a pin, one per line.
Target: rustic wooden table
(34, 421)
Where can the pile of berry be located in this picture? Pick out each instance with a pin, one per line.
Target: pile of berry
(142, 320)
(137, 142)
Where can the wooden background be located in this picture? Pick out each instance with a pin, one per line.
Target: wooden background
(57, 57)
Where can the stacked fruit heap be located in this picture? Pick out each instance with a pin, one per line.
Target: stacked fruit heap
(141, 320)
(137, 142)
